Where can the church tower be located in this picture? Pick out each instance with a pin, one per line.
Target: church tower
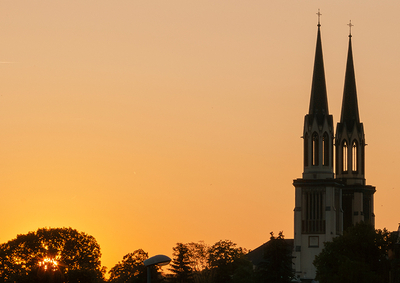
(318, 212)
(350, 154)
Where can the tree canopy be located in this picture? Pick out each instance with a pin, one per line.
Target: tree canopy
(359, 255)
(224, 259)
(132, 269)
(200, 263)
(190, 263)
(181, 266)
(51, 254)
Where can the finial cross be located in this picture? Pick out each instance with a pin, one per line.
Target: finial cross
(350, 25)
(319, 17)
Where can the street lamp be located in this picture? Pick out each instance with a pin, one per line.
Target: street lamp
(159, 260)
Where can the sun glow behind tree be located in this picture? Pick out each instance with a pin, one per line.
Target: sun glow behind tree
(48, 264)
(54, 254)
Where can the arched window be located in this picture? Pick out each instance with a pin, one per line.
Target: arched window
(315, 149)
(344, 156)
(354, 149)
(306, 150)
(325, 150)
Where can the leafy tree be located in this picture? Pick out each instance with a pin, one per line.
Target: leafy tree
(244, 272)
(51, 255)
(359, 255)
(224, 258)
(181, 265)
(132, 269)
(276, 265)
(192, 260)
(199, 261)
(198, 255)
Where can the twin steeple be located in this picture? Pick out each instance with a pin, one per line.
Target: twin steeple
(318, 127)
(328, 201)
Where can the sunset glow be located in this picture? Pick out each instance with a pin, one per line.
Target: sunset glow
(147, 123)
(48, 264)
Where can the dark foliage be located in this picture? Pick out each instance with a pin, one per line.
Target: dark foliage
(32, 257)
(224, 260)
(199, 262)
(359, 255)
(181, 266)
(132, 270)
(243, 271)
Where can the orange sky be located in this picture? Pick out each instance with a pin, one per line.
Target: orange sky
(147, 123)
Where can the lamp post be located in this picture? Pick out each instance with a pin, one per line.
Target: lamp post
(159, 260)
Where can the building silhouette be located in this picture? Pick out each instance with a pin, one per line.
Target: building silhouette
(332, 193)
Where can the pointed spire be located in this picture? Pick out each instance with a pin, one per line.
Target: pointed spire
(350, 114)
(318, 100)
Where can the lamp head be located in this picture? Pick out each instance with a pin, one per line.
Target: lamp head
(159, 260)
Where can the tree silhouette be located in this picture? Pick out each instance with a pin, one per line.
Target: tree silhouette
(224, 258)
(199, 261)
(359, 255)
(51, 255)
(131, 269)
(181, 266)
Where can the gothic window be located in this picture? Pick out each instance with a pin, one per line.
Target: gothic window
(325, 150)
(306, 150)
(315, 149)
(344, 156)
(313, 219)
(354, 150)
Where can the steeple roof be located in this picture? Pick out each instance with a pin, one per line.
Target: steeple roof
(350, 115)
(318, 100)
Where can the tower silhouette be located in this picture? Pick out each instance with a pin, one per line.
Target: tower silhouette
(328, 201)
(357, 200)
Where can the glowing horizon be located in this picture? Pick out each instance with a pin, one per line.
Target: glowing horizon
(145, 124)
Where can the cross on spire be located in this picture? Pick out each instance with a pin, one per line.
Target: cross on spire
(319, 18)
(350, 25)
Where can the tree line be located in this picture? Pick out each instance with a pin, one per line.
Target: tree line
(66, 255)
(361, 254)
(48, 255)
